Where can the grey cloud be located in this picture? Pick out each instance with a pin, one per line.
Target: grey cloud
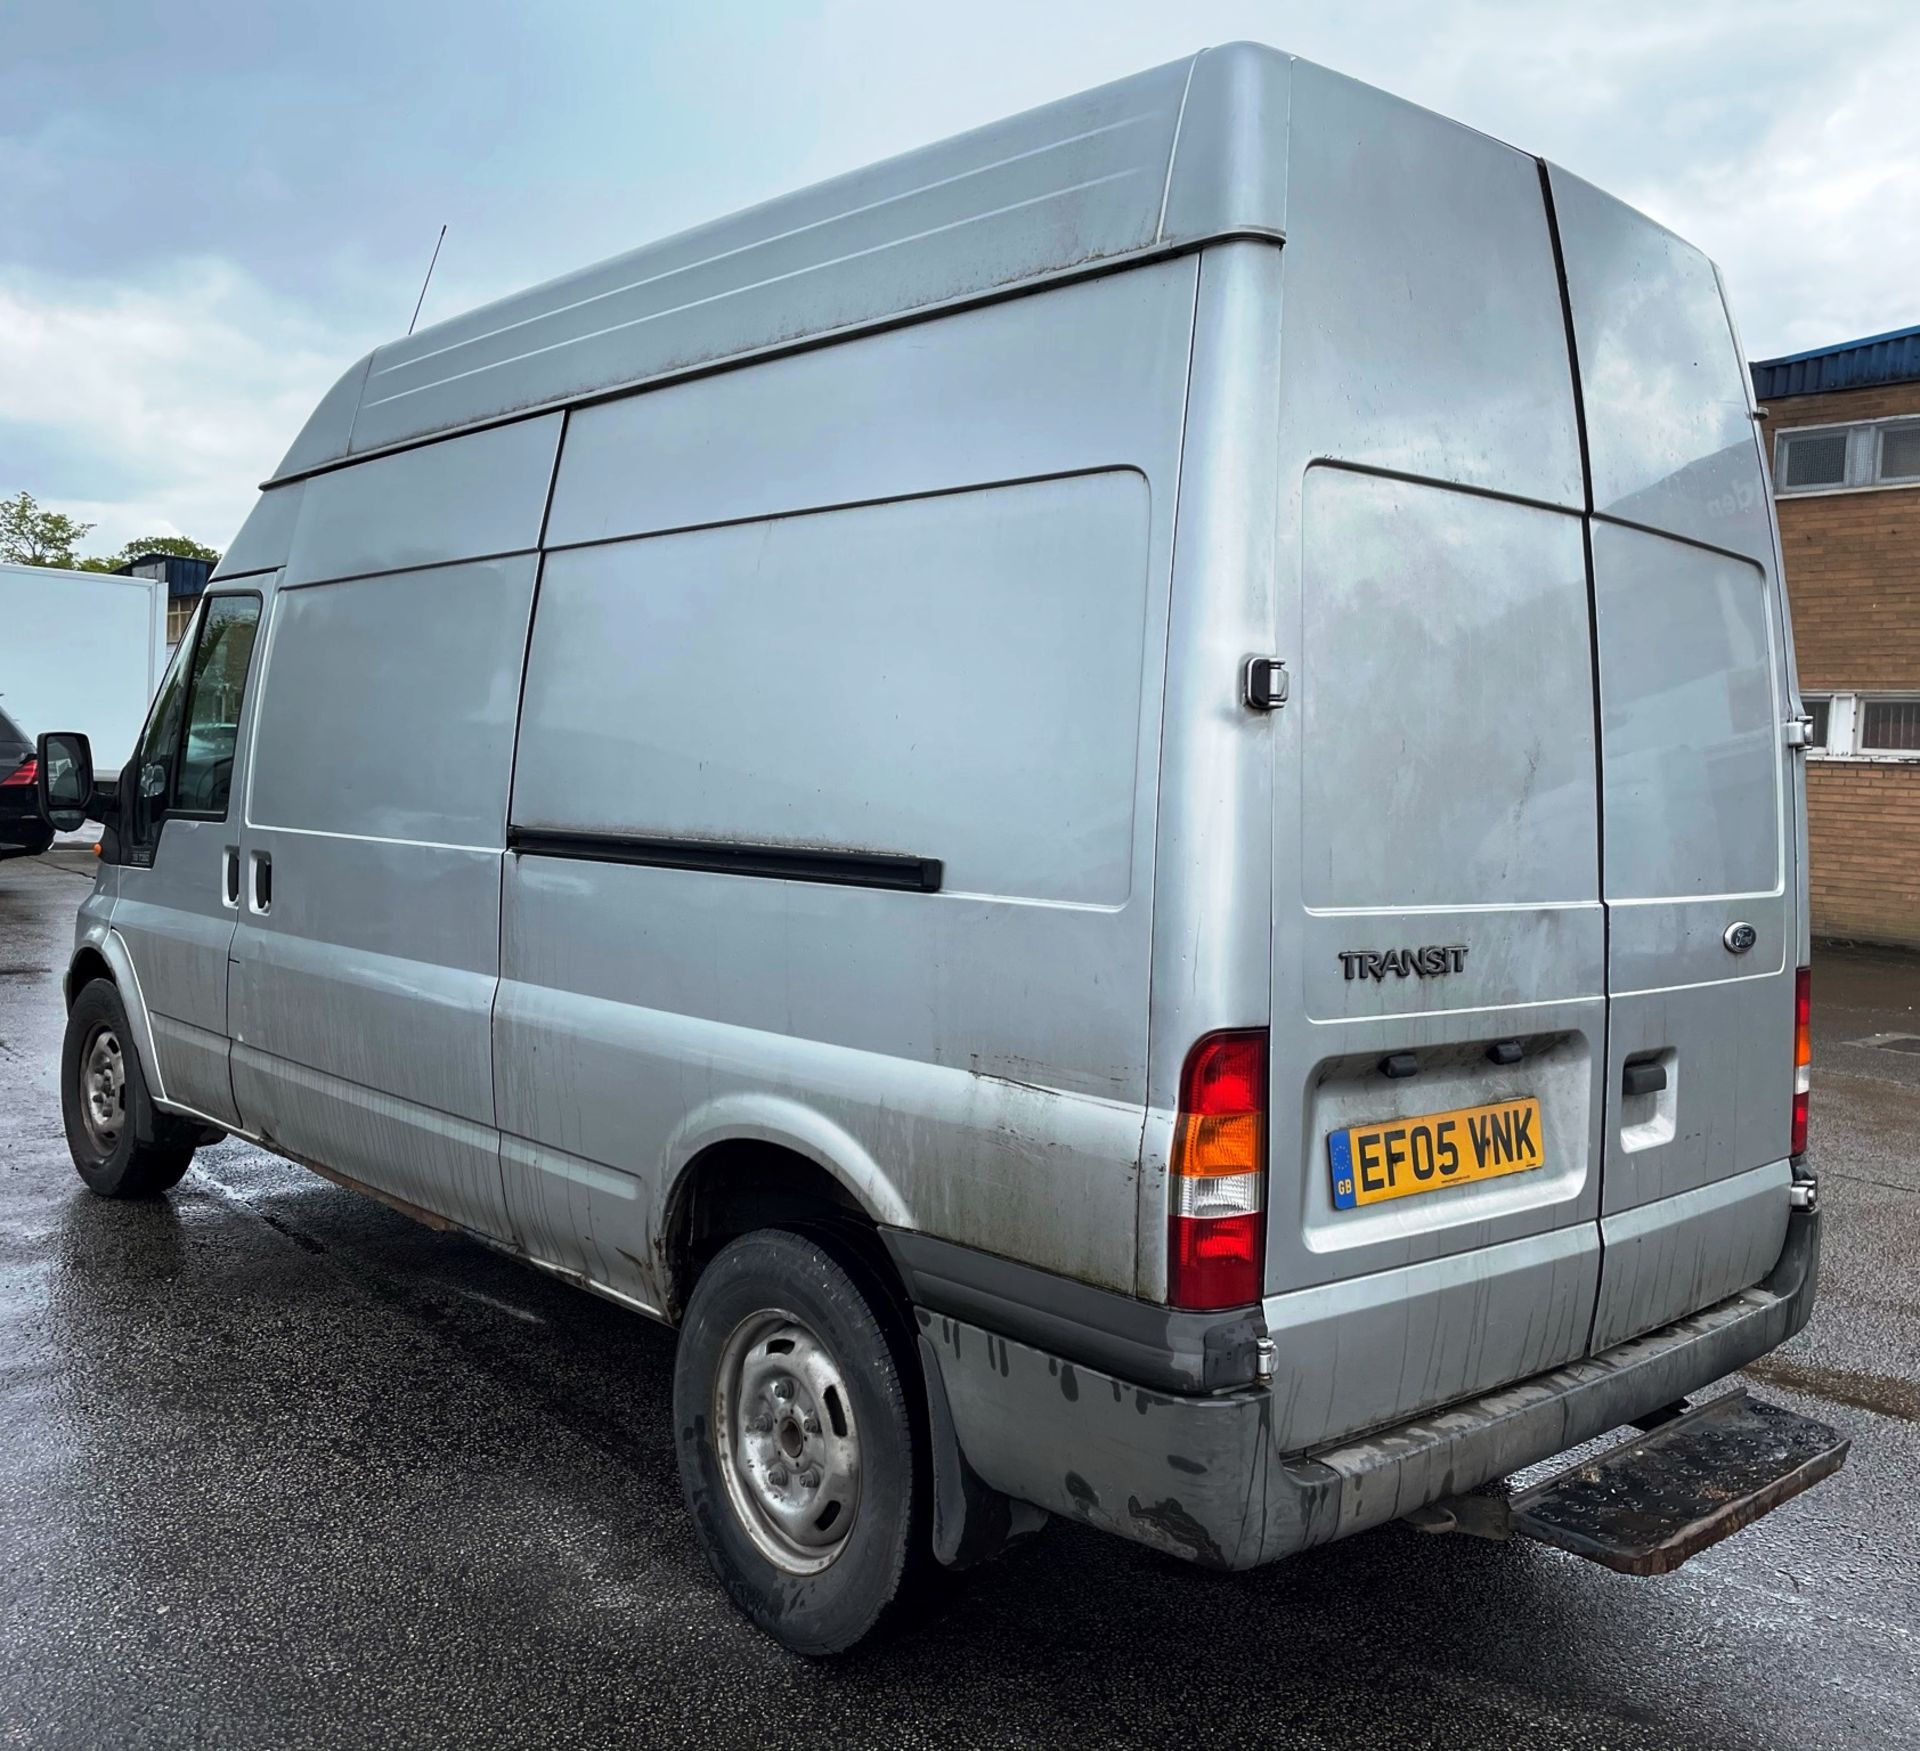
(303, 157)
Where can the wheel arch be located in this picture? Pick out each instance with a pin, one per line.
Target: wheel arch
(103, 955)
(88, 964)
(761, 1175)
(771, 1163)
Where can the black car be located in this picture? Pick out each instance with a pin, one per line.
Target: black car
(22, 832)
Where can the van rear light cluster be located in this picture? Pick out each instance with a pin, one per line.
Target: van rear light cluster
(1216, 1232)
(1802, 1056)
(26, 773)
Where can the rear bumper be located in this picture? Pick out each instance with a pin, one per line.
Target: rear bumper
(1203, 1477)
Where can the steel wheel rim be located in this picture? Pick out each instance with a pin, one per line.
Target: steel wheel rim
(788, 1447)
(103, 1089)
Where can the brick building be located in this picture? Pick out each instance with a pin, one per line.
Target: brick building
(1843, 427)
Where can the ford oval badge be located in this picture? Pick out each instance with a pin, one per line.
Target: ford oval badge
(1739, 938)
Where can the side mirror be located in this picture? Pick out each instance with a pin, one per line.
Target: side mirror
(64, 788)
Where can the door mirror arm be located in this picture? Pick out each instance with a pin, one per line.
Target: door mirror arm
(105, 809)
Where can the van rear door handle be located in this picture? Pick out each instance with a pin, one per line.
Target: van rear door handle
(1644, 1079)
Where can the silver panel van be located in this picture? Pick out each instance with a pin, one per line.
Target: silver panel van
(1116, 805)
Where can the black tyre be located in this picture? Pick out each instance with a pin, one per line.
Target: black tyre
(123, 1146)
(798, 1446)
(24, 841)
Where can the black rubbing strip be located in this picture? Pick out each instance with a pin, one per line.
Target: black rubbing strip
(791, 863)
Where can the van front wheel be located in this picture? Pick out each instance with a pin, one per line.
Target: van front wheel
(122, 1146)
(797, 1444)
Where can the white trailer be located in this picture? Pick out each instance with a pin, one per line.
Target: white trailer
(81, 651)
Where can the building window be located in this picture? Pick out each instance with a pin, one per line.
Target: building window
(1847, 458)
(1810, 460)
(1899, 453)
(1864, 726)
(179, 612)
(1890, 726)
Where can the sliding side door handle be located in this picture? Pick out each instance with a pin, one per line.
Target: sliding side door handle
(260, 868)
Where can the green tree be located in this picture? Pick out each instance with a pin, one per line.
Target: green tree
(31, 536)
(178, 546)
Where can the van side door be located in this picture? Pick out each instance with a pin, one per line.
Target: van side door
(179, 886)
(368, 953)
(368, 948)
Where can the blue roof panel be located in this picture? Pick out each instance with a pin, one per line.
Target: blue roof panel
(1893, 357)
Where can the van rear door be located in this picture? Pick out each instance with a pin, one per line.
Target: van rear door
(1534, 866)
(1439, 954)
(1698, 793)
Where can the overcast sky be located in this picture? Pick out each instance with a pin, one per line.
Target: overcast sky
(208, 208)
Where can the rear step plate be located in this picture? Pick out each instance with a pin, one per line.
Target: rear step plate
(1647, 1505)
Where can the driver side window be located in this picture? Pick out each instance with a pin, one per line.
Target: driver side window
(160, 747)
(185, 763)
(204, 781)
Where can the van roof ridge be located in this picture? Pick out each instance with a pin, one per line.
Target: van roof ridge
(1159, 162)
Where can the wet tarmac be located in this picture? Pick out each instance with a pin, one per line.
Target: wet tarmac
(282, 1468)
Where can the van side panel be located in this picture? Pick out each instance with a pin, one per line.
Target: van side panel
(266, 537)
(464, 498)
(969, 671)
(924, 724)
(1213, 880)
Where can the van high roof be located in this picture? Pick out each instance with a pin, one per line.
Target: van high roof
(1157, 163)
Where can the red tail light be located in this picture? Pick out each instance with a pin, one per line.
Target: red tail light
(26, 773)
(1216, 1231)
(1802, 1056)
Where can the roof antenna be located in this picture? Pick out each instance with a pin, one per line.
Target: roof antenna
(429, 279)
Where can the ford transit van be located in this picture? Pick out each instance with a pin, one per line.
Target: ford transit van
(1117, 806)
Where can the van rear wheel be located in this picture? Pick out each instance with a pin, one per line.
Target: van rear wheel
(123, 1146)
(797, 1446)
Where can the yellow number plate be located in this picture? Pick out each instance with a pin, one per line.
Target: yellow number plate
(1399, 1157)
